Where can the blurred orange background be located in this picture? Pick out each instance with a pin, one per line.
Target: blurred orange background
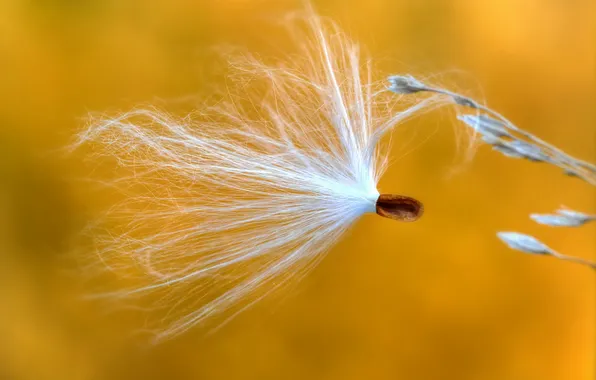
(437, 299)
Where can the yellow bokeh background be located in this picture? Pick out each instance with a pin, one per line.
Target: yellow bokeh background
(438, 299)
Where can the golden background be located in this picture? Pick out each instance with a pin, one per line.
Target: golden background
(438, 299)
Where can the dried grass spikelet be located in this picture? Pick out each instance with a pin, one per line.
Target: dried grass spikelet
(514, 142)
(227, 204)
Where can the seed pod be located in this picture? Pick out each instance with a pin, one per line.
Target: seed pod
(399, 207)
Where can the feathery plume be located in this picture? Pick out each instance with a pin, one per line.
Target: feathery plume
(229, 203)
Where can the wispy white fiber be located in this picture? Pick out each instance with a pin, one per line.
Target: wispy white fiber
(227, 204)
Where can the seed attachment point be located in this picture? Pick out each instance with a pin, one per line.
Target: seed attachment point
(399, 207)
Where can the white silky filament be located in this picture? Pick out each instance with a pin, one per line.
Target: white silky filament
(228, 204)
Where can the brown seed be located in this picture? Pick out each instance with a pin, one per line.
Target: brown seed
(399, 207)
